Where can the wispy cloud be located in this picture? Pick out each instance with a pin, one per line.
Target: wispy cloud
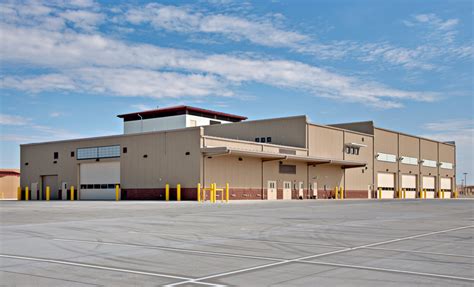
(94, 63)
(13, 120)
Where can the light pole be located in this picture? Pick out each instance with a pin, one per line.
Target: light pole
(465, 182)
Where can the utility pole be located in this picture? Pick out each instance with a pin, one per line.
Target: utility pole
(465, 182)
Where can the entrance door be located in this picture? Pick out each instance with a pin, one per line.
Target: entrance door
(314, 189)
(386, 181)
(409, 185)
(300, 190)
(287, 190)
(52, 182)
(271, 190)
(98, 180)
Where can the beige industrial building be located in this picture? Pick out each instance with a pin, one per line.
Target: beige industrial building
(271, 159)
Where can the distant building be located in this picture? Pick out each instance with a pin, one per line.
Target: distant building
(270, 159)
(9, 183)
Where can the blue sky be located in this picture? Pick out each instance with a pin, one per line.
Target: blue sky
(69, 67)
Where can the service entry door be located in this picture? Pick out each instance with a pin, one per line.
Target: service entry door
(446, 188)
(271, 190)
(314, 189)
(98, 180)
(287, 190)
(301, 190)
(409, 185)
(429, 186)
(386, 181)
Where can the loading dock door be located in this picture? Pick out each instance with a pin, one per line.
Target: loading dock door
(409, 185)
(386, 181)
(446, 187)
(287, 190)
(429, 186)
(271, 190)
(98, 180)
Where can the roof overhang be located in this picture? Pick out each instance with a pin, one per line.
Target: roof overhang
(223, 150)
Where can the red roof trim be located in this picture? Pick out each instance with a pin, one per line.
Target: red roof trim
(5, 173)
(183, 108)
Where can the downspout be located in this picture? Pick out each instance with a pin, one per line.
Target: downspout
(141, 123)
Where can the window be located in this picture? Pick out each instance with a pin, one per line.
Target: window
(257, 140)
(269, 139)
(429, 163)
(262, 140)
(386, 157)
(98, 152)
(72, 154)
(446, 165)
(409, 160)
(352, 150)
(287, 169)
(124, 150)
(56, 155)
(214, 122)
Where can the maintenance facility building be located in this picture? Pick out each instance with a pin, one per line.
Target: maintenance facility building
(271, 159)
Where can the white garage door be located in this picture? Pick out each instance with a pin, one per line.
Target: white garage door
(429, 186)
(446, 183)
(409, 185)
(98, 180)
(386, 181)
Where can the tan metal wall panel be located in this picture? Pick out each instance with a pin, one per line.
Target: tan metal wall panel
(283, 131)
(246, 173)
(447, 153)
(361, 177)
(428, 150)
(327, 176)
(325, 142)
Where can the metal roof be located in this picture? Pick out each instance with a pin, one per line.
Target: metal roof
(178, 110)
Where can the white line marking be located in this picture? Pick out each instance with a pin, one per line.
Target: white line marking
(319, 255)
(388, 270)
(417, 251)
(171, 249)
(93, 266)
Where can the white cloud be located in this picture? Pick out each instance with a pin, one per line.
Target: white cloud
(85, 20)
(182, 19)
(450, 125)
(13, 120)
(56, 114)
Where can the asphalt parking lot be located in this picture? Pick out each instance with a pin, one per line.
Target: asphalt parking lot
(254, 243)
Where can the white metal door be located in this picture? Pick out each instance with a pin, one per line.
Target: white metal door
(409, 185)
(98, 180)
(446, 188)
(386, 181)
(300, 190)
(429, 185)
(315, 189)
(287, 190)
(271, 190)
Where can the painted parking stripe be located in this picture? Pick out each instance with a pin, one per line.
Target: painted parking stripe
(387, 270)
(170, 249)
(101, 267)
(319, 255)
(420, 252)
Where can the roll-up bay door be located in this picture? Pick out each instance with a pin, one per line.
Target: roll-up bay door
(446, 187)
(409, 185)
(429, 185)
(98, 180)
(386, 182)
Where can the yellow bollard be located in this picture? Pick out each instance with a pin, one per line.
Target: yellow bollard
(27, 193)
(72, 192)
(380, 193)
(198, 193)
(215, 193)
(117, 192)
(178, 192)
(336, 192)
(167, 192)
(48, 193)
(18, 193)
(404, 194)
(424, 193)
(227, 192)
(211, 193)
